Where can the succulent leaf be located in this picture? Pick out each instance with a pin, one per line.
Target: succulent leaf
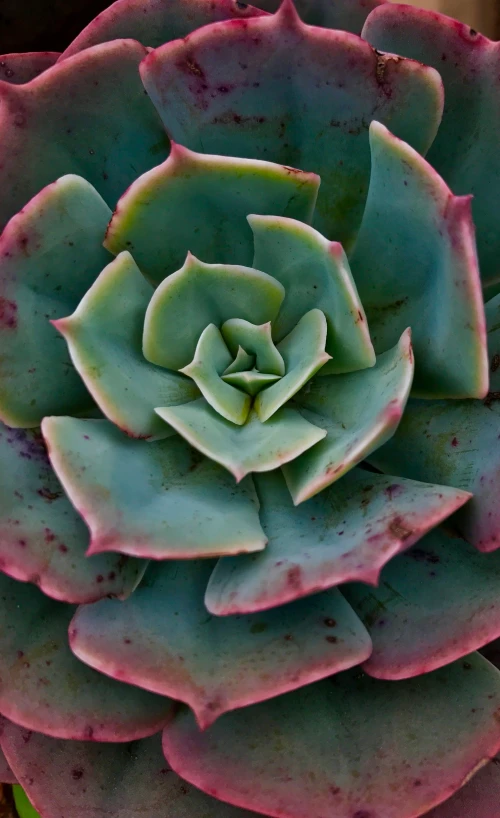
(346, 15)
(24, 67)
(215, 664)
(42, 539)
(303, 351)
(415, 265)
(434, 604)
(465, 149)
(178, 206)
(360, 411)
(257, 341)
(73, 778)
(256, 446)
(274, 88)
(457, 443)
(315, 274)
(154, 22)
(6, 774)
(108, 135)
(46, 688)
(476, 798)
(50, 253)
(341, 746)
(104, 336)
(347, 532)
(208, 294)
(158, 500)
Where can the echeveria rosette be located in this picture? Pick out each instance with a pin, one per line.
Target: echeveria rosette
(202, 349)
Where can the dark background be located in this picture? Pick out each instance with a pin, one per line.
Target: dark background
(44, 25)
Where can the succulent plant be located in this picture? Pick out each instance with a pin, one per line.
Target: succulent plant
(250, 385)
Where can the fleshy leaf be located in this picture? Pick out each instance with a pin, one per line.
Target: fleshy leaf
(75, 778)
(465, 149)
(211, 359)
(347, 532)
(457, 443)
(208, 294)
(154, 22)
(413, 223)
(164, 640)
(6, 774)
(279, 90)
(255, 446)
(345, 15)
(242, 363)
(50, 253)
(349, 745)
(108, 135)
(435, 603)
(476, 798)
(42, 538)
(158, 500)
(251, 382)
(360, 411)
(303, 352)
(178, 206)
(45, 688)
(24, 67)
(104, 336)
(315, 273)
(255, 340)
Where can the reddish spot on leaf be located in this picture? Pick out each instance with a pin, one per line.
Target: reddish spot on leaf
(8, 313)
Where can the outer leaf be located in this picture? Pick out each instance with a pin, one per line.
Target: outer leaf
(273, 88)
(465, 150)
(45, 688)
(157, 500)
(104, 336)
(360, 411)
(109, 134)
(457, 443)
(50, 253)
(90, 780)
(479, 798)
(303, 351)
(253, 447)
(163, 640)
(20, 68)
(345, 15)
(178, 206)
(6, 774)
(154, 22)
(42, 539)
(347, 532)
(22, 803)
(413, 223)
(315, 274)
(347, 745)
(209, 294)
(211, 359)
(435, 603)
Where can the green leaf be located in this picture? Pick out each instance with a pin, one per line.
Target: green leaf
(315, 274)
(109, 134)
(360, 411)
(104, 336)
(164, 640)
(279, 90)
(157, 500)
(211, 359)
(303, 352)
(208, 294)
(413, 222)
(47, 689)
(50, 254)
(434, 604)
(251, 382)
(257, 341)
(347, 532)
(179, 206)
(347, 745)
(23, 804)
(42, 538)
(256, 446)
(457, 443)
